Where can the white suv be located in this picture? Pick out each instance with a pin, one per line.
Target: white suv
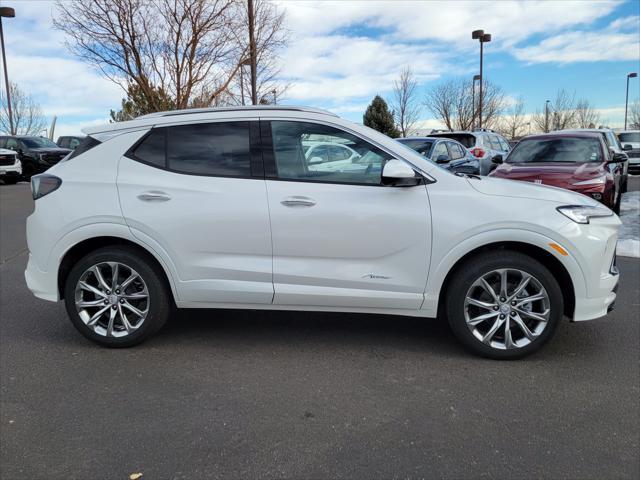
(218, 208)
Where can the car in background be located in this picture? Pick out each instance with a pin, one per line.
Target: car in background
(483, 144)
(630, 140)
(611, 140)
(579, 161)
(447, 153)
(36, 154)
(10, 167)
(69, 141)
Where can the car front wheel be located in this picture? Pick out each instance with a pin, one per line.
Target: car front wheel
(117, 297)
(504, 305)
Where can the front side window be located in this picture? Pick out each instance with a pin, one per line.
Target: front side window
(423, 147)
(439, 150)
(455, 151)
(559, 150)
(290, 139)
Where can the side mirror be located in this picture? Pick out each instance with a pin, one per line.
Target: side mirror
(442, 158)
(627, 146)
(619, 158)
(497, 159)
(397, 173)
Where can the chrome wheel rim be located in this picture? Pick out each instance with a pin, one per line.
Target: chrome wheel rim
(507, 308)
(112, 299)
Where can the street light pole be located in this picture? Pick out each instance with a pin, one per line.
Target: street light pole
(473, 101)
(546, 116)
(626, 102)
(275, 96)
(483, 38)
(7, 12)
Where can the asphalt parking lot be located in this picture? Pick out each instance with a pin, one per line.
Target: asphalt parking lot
(247, 394)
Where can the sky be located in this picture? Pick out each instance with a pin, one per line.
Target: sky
(342, 53)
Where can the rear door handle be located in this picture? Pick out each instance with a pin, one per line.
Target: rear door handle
(154, 196)
(297, 201)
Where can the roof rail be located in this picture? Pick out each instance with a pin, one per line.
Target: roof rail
(484, 130)
(188, 111)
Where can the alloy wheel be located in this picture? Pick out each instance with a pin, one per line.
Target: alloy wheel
(112, 299)
(507, 308)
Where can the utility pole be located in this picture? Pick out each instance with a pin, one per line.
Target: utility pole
(626, 101)
(252, 52)
(483, 38)
(7, 12)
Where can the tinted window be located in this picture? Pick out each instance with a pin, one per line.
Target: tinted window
(564, 150)
(12, 144)
(440, 149)
(151, 150)
(633, 137)
(466, 139)
(494, 142)
(38, 142)
(86, 144)
(504, 145)
(220, 149)
(62, 142)
(3, 142)
(74, 142)
(288, 144)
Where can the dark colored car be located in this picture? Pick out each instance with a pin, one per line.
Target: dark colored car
(69, 141)
(37, 154)
(581, 162)
(448, 153)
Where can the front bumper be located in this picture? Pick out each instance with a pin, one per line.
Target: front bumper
(11, 170)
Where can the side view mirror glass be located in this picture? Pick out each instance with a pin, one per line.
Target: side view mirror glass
(397, 173)
(497, 159)
(627, 146)
(442, 158)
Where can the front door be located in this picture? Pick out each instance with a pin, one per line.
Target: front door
(340, 238)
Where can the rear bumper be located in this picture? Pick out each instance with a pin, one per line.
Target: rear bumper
(43, 285)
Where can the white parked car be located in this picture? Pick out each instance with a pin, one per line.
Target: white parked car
(10, 166)
(217, 208)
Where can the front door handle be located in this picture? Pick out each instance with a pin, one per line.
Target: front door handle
(297, 201)
(154, 196)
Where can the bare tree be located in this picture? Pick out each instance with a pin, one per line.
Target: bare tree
(514, 123)
(26, 112)
(405, 107)
(634, 115)
(452, 103)
(586, 114)
(559, 115)
(190, 49)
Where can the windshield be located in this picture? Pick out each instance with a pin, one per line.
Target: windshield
(39, 142)
(633, 137)
(423, 147)
(561, 150)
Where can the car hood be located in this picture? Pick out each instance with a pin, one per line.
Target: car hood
(50, 150)
(567, 172)
(507, 188)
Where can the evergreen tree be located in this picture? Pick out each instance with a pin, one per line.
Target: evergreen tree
(380, 118)
(137, 103)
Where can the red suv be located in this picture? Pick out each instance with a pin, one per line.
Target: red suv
(575, 161)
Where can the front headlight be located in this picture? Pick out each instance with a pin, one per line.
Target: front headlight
(593, 181)
(582, 213)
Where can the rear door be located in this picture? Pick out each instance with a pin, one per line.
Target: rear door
(341, 238)
(198, 193)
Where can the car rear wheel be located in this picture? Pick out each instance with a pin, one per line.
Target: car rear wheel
(117, 297)
(10, 180)
(504, 305)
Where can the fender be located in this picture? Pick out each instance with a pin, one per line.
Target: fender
(438, 273)
(118, 230)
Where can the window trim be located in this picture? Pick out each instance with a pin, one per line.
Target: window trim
(256, 164)
(270, 167)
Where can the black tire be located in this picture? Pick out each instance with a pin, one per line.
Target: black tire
(10, 181)
(625, 183)
(616, 207)
(28, 171)
(159, 294)
(482, 264)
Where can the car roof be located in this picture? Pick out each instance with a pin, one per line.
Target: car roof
(203, 114)
(563, 134)
(418, 138)
(588, 130)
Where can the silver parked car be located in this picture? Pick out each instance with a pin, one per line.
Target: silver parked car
(483, 144)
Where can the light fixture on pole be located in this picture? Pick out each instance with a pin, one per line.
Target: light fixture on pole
(626, 102)
(473, 101)
(483, 38)
(6, 12)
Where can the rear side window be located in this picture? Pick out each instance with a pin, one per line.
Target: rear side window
(152, 148)
(220, 149)
(466, 139)
(85, 145)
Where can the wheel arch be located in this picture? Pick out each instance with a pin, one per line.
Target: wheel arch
(88, 245)
(546, 258)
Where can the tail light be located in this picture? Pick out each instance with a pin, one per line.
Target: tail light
(44, 184)
(477, 152)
